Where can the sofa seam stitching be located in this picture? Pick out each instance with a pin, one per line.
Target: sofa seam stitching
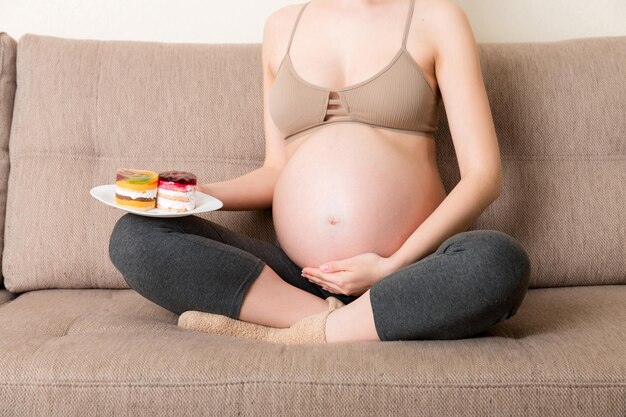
(88, 384)
(86, 156)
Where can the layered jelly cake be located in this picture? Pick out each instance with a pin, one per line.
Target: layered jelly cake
(136, 188)
(176, 191)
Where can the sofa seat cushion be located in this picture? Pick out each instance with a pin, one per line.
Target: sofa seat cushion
(65, 350)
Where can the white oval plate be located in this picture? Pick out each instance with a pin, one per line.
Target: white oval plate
(204, 202)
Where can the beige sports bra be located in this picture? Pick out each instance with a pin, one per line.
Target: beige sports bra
(397, 98)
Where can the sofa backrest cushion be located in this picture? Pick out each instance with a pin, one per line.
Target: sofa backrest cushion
(85, 107)
(8, 47)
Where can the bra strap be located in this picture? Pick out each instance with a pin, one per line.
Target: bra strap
(293, 31)
(408, 22)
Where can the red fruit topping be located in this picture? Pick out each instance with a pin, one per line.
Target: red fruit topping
(178, 177)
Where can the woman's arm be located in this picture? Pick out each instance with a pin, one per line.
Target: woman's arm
(255, 190)
(275, 38)
(459, 77)
(251, 191)
(455, 214)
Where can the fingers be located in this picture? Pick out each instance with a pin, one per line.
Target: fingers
(328, 286)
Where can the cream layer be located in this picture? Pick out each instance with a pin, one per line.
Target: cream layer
(134, 194)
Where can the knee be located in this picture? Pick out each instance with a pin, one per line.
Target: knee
(511, 264)
(502, 258)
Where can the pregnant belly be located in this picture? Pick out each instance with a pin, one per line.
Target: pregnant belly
(347, 191)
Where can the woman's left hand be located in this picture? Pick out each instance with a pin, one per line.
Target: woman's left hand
(351, 276)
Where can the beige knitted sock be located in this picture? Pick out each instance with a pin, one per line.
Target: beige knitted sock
(310, 329)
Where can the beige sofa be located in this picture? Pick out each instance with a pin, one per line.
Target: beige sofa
(75, 340)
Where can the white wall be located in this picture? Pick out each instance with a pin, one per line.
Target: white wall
(241, 21)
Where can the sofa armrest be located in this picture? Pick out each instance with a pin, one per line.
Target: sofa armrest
(5, 295)
(8, 85)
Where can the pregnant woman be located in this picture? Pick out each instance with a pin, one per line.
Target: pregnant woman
(370, 246)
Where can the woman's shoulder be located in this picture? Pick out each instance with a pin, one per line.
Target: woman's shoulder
(438, 12)
(276, 32)
(443, 24)
(283, 17)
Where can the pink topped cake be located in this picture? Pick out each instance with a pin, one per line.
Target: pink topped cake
(176, 191)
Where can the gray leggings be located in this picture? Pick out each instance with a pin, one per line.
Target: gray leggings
(473, 280)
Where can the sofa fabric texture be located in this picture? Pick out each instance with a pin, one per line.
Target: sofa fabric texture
(8, 47)
(85, 107)
(560, 355)
(75, 340)
(6, 296)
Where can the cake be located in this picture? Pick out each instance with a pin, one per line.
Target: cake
(176, 191)
(136, 188)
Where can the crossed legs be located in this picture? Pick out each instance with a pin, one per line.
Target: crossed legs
(191, 263)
